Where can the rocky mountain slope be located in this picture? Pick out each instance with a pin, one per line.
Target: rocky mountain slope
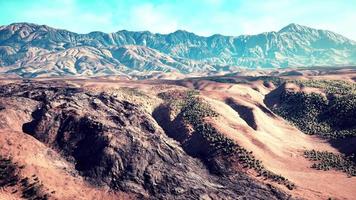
(115, 143)
(31, 50)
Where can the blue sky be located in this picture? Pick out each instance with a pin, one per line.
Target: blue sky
(203, 17)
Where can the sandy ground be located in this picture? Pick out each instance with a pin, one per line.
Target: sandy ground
(50, 168)
(279, 145)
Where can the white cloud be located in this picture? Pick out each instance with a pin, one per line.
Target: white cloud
(203, 17)
(257, 16)
(64, 14)
(153, 18)
(344, 26)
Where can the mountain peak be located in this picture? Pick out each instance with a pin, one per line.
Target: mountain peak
(23, 24)
(28, 27)
(293, 46)
(293, 27)
(181, 32)
(18, 25)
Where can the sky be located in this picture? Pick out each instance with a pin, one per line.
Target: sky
(203, 17)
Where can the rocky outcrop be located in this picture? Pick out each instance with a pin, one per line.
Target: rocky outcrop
(116, 143)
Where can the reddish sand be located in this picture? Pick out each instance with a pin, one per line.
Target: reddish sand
(49, 167)
(279, 145)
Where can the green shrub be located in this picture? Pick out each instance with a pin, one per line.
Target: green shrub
(193, 110)
(324, 160)
(331, 116)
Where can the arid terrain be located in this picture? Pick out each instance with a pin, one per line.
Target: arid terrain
(177, 100)
(285, 134)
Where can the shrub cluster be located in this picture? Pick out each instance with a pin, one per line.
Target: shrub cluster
(31, 189)
(8, 172)
(331, 116)
(268, 79)
(194, 110)
(329, 86)
(245, 79)
(325, 160)
(221, 144)
(224, 80)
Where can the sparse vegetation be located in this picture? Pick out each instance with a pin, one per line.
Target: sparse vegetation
(266, 79)
(329, 86)
(194, 110)
(331, 116)
(221, 144)
(325, 160)
(132, 91)
(31, 188)
(224, 80)
(230, 79)
(8, 172)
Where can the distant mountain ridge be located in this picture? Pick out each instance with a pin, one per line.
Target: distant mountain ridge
(31, 50)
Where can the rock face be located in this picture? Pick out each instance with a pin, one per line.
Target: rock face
(34, 50)
(116, 143)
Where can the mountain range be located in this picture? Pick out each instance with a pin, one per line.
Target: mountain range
(30, 50)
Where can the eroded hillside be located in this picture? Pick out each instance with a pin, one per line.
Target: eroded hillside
(203, 138)
(114, 143)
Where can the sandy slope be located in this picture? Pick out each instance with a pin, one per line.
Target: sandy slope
(52, 170)
(279, 145)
